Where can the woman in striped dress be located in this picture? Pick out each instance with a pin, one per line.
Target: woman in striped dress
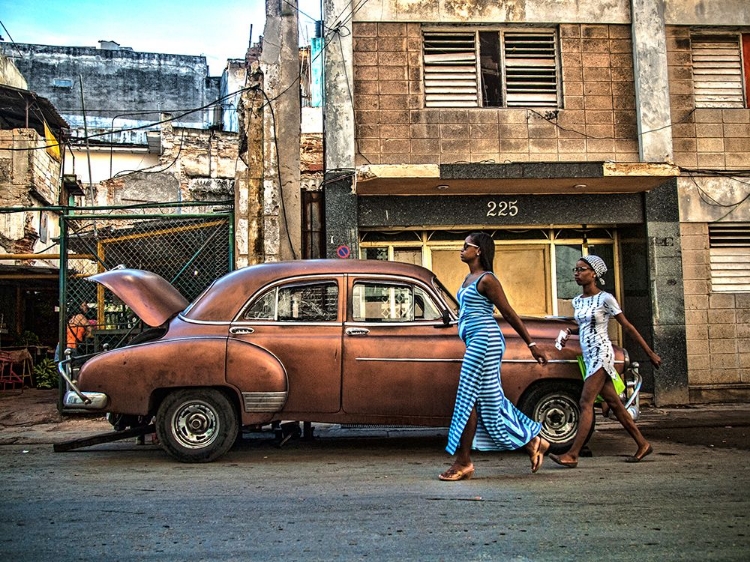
(593, 310)
(483, 418)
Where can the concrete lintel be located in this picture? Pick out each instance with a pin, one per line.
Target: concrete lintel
(402, 171)
(641, 169)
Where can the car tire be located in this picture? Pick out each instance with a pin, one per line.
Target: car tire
(197, 425)
(555, 405)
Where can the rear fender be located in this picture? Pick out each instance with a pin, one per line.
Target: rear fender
(261, 379)
(130, 375)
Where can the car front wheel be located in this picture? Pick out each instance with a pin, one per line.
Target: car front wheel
(556, 407)
(197, 425)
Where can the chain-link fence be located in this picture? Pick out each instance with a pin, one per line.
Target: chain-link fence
(189, 246)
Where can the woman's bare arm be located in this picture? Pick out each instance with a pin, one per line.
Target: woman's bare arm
(490, 287)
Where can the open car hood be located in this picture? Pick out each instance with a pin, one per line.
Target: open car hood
(151, 297)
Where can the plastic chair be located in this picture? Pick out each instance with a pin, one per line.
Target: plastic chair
(8, 376)
(24, 359)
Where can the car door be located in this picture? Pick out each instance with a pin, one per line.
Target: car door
(401, 362)
(299, 321)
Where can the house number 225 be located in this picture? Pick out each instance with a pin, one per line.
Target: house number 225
(502, 208)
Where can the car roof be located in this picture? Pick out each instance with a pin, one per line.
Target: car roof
(223, 299)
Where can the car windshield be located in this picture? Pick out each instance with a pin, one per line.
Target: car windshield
(446, 295)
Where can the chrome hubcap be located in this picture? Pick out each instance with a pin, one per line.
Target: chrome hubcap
(559, 418)
(195, 425)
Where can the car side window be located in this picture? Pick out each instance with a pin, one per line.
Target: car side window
(309, 302)
(385, 302)
(424, 307)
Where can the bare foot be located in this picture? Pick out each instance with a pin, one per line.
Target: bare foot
(539, 446)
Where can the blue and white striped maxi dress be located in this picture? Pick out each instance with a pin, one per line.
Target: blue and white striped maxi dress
(500, 425)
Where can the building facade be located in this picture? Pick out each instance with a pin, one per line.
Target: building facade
(114, 99)
(30, 181)
(561, 128)
(121, 92)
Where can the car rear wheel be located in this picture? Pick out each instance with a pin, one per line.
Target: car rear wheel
(197, 425)
(556, 407)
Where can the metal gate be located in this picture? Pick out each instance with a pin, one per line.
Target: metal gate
(189, 244)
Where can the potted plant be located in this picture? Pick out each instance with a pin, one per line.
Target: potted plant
(45, 374)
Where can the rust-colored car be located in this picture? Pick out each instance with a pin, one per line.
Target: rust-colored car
(336, 341)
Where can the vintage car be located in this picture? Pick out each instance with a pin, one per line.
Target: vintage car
(327, 341)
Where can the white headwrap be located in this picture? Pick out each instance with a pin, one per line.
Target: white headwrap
(597, 264)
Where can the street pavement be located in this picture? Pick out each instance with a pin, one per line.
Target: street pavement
(31, 417)
(372, 494)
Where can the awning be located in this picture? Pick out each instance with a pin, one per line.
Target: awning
(28, 272)
(543, 178)
(20, 109)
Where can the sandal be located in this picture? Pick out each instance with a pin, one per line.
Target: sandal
(454, 474)
(638, 457)
(566, 464)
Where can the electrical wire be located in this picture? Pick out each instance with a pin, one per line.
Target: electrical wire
(149, 170)
(711, 201)
(136, 128)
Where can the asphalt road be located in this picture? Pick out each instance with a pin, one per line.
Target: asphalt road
(362, 495)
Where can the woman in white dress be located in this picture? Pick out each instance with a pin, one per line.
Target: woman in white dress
(593, 310)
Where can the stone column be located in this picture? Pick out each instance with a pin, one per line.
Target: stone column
(282, 131)
(248, 186)
(667, 294)
(651, 80)
(338, 127)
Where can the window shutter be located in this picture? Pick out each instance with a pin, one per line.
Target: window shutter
(530, 69)
(717, 71)
(450, 70)
(730, 257)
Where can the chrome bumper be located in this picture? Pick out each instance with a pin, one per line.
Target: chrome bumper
(93, 401)
(74, 398)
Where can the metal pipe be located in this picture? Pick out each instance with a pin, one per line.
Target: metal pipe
(40, 256)
(66, 208)
(63, 368)
(63, 288)
(231, 240)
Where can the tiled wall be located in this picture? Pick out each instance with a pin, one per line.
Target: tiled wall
(597, 123)
(717, 324)
(703, 138)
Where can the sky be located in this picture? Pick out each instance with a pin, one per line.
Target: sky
(217, 29)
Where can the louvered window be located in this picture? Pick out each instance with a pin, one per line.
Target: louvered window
(730, 257)
(491, 69)
(719, 72)
(450, 70)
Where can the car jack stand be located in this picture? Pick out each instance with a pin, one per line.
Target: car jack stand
(283, 432)
(103, 438)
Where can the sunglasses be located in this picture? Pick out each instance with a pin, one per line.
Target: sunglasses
(467, 244)
(579, 269)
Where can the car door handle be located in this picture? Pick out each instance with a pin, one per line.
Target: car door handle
(238, 331)
(357, 331)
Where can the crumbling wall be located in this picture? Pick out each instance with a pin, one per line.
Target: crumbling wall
(195, 165)
(29, 177)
